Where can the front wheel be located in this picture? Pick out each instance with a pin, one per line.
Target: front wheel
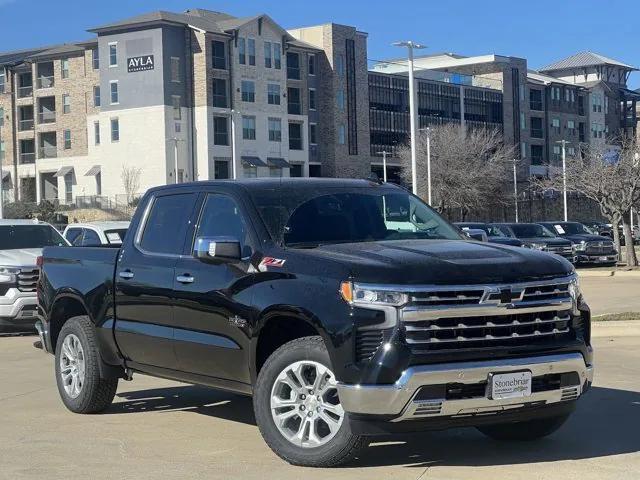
(524, 431)
(297, 407)
(81, 387)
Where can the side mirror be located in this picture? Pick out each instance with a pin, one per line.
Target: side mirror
(476, 234)
(211, 249)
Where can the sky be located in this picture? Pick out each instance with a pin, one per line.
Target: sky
(542, 31)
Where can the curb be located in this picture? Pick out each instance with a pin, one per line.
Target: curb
(609, 273)
(615, 328)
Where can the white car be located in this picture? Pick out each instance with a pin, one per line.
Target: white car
(96, 234)
(21, 243)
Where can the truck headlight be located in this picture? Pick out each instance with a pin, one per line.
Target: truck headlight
(371, 295)
(8, 274)
(574, 293)
(581, 247)
(536, 246)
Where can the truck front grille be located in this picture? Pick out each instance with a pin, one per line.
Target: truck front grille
(600, 248)
(565, 251)
(367, 343)
(28, 279)
(445, 318)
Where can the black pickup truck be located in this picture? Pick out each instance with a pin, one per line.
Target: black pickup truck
(346, 308)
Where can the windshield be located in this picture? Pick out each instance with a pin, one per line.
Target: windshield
(14, 237)
(115, 236)
(570, 228)
(530, 230)
(360, 216)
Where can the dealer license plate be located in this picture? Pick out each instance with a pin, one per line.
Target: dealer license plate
(604, 259)
(509, 385)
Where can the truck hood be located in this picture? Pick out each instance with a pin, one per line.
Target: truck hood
(444, 262)
(24, 257)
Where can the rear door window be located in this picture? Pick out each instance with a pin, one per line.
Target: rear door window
(167, 223)
(90, 239)
(72, 234)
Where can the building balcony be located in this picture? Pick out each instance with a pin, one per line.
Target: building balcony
(49, 151)
(47, 117)
(24, 125)
(27, 158)
(45, 82)
(25, 92)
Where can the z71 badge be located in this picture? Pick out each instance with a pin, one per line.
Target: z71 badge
(270, 262)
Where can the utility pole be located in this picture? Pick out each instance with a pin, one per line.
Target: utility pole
(564, 176)
(515, 186)
(234, 155)
(428, 130)
(412, 110)
(384, 165)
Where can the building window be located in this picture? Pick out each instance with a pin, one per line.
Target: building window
(115, 130)
(312, 99)
(556, 152)
(218, 51)
(597, 103)
(68, 187)
(251, 44)
(339, 64)
(523, 149)
(114, 92)
(221, 169)
(313, 134)
(64, 67)
(293, 65)
(177, 110)
(275, 172)
(67, 139)
(523, 123)
(220, 131)
(275, 130)
(315, 170)
(536, 127)
(219, 96)
(242, 51)
(341, 134)
(312, 64)
(2, 79)
(1, 116)
(268, 59)
(95, 58)
(96, 96)
(536, 154)
(113, 54)
(249, 171)
(606, 104)
(248, 91)
(535, 99)
(248, 128)
(273, 94)
(175, 69)
(555, 94)
(96, 133)
(294, 106)
(571, 151)
(295, 136)
(340, 99)
(66, 103)
(277, 56)
(295, 170)
(555, 123)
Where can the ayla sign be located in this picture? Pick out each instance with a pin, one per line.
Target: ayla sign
(139, 64)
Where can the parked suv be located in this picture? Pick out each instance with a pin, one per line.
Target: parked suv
(21, 242)
(537, 237)
(341, 321)
(589, 248)
(96, 234)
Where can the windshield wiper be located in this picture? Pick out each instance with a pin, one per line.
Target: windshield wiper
(303, 245)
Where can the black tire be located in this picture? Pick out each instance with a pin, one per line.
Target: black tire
(96, 393)
(340, 449)
(524, 431)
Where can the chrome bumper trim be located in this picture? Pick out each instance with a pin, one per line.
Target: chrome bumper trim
(396, 399)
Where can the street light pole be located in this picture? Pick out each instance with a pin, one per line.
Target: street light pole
(1, 177)
(564, 176)
(428, 130)
(515, 186)
(234, 170)
(412, 111)
(384, 165)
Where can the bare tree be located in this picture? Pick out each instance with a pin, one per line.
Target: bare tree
(469, 167)
(131, 181)
(611, 177)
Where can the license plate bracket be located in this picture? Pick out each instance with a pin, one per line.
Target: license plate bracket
(505, 385)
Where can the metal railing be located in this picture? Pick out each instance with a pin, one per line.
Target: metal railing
(45, 82)
(47, 117)
(50, 151)
(25, 91)
(26, 124)
(27, 157)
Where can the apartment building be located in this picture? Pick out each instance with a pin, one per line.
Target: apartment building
(183, 96)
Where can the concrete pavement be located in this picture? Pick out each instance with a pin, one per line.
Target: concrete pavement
(618, 294)
(162, 429)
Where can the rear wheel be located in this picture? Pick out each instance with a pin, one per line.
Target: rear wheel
(81, 387)
(298, 410)
(524, 431)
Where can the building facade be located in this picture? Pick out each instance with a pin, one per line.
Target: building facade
(172, 97)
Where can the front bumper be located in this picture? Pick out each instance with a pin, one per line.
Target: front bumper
(18, 311)
(597, 259)
(400, 401)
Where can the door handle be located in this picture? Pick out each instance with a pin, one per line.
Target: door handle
(185, 278)
(126, 274)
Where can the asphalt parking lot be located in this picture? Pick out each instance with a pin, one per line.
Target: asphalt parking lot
(162, 429)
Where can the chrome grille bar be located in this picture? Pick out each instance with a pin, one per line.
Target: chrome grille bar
(488, 324)
(462, 339)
